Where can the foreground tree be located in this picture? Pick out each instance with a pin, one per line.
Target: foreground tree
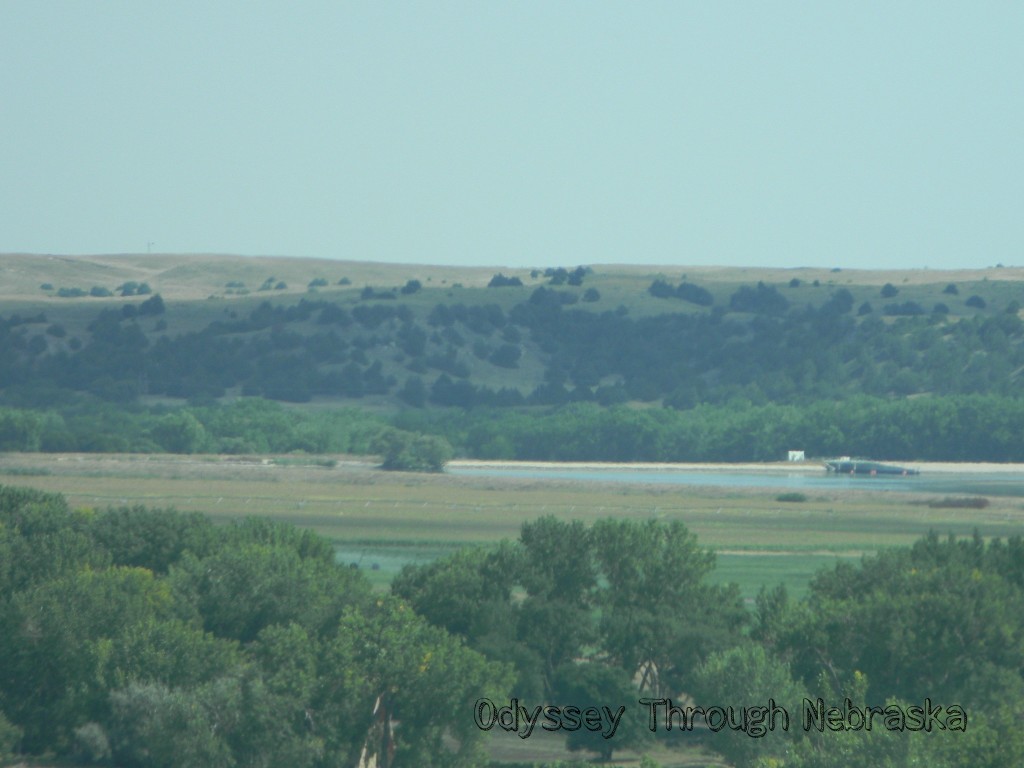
(242, 645)
(590, 685)
(656, 611)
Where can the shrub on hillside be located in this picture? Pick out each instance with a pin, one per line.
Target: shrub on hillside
(411, 287)
(500, 281)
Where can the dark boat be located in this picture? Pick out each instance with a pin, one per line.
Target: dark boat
(847, 466)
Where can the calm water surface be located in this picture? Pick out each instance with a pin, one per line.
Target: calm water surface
(966, 484)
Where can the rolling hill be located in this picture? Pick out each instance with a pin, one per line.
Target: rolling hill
(307, 330)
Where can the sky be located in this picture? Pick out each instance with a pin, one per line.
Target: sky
(522, 134)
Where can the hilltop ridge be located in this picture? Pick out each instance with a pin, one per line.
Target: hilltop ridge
(197, 276)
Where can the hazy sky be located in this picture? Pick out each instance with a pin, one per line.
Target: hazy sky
(886, 134)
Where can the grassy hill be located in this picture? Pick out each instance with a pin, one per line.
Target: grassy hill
(197, 276)
(319, 333)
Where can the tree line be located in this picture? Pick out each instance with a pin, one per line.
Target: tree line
(950, 428)
(953, 428)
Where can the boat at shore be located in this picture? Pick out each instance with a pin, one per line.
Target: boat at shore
(848, 466)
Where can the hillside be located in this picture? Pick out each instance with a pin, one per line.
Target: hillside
(150, 328)
(199, 276)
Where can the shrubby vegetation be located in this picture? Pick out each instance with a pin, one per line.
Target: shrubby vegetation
(625, 600)
(137, 637)
(762, 299)
(757, 343)
(562, 276)
(411, 452)
(501, 281)
(956, 428)
(544, 375)
(627, 596)
(964, 428)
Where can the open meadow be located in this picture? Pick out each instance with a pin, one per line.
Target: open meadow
(383, 520)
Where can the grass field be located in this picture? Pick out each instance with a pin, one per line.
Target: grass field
(383, 520)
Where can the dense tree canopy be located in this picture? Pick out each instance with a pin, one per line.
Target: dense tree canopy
(140, 638)
(137, 637)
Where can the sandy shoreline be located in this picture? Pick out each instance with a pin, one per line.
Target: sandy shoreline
(151, 462)
(780, 467)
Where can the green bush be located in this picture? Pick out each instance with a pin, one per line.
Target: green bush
(795, 497)
(411, 452)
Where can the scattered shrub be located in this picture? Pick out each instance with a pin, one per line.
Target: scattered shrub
(792, 497)
(369, 293)
(695, 294)
(500, 281)
(908, 308)
(764, 299)
(660, 289)
(506, 356)
(152, 306)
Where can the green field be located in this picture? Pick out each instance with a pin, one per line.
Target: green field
(380, 520)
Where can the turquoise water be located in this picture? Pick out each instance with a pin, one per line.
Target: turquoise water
(951, 484)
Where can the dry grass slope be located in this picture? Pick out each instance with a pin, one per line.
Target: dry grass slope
(197, 276)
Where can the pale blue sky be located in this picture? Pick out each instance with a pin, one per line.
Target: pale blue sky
(877, 134)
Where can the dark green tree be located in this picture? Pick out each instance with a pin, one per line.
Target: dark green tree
(411, 452)
(590, 685)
